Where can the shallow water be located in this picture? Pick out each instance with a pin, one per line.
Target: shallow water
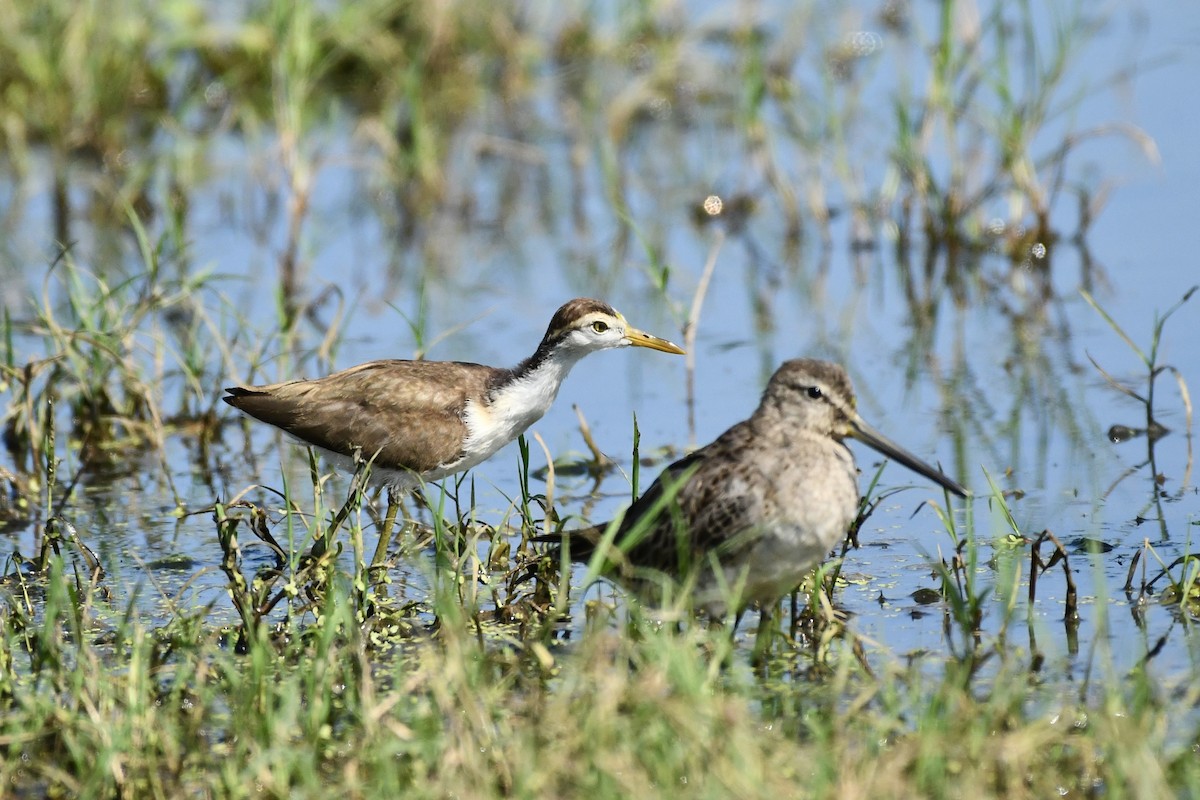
(997, 381)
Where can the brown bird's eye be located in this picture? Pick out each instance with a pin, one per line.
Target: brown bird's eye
(814, 392)
(599, 326)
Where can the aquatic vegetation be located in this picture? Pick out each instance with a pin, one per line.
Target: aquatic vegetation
(194, 196)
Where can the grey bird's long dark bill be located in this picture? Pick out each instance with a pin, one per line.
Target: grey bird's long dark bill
(876, 440)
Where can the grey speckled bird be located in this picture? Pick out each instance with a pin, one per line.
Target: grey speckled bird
(754, 511)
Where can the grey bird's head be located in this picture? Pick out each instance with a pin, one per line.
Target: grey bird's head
(818, 396)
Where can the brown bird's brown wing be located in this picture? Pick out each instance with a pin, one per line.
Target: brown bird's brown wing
(405, 414)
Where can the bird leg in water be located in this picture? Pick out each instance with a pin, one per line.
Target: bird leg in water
(764, 635)
(385, 533)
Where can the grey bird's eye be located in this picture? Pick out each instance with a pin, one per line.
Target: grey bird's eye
(814, 392)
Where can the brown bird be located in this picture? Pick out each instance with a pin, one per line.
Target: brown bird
(745, 518)
(419, 421)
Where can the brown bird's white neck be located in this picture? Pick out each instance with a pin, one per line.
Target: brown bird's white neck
(513, 403)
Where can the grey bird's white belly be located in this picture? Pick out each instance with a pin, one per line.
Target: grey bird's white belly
(797, 517)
